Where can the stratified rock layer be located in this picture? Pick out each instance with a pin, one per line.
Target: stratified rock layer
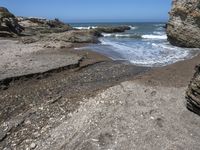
(183, 28)
(193, 93)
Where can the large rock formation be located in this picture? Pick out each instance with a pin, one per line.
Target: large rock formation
(42, 25)
(183, 28)
(9, 24)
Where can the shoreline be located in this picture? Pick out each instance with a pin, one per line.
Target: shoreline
(53, 96)
(51, 99)
(46, 106)
(177, 75)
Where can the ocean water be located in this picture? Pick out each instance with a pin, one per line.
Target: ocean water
(144, 45)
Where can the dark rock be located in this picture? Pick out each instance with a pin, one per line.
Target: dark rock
(183, 28)
(193, 93)
(5, 34)
(112, 29)
(9, 24)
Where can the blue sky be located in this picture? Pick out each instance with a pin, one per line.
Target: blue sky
(92, 10)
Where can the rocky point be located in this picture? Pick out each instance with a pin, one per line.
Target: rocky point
(183, 29)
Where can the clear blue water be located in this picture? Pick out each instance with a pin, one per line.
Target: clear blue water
(144, 45)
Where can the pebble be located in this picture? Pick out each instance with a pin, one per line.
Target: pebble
(152, 118)
(33, 146)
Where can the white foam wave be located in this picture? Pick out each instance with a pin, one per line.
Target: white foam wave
(167, 46)
(107, 34)
(116, 35)
(162, 55)
(159, 25)
(159, 33)
(152, 36)
(133, 28)
(121, 35)
(86, 28)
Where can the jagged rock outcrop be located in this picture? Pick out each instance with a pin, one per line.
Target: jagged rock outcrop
(193, 93)
(183, 28)
(9, 24)
(36, 26)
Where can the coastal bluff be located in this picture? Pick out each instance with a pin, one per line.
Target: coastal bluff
(183, 29)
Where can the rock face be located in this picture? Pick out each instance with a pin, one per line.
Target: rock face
(40, 25)
(75, 36)
(9, 24)
(183, 28)
(193, 93)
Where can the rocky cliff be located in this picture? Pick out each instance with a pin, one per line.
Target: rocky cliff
(42, 25)
(193, 93)
(183, 28)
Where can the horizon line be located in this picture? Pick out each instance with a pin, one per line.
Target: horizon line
(74, 22)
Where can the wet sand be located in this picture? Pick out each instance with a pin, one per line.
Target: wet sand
(175, 75)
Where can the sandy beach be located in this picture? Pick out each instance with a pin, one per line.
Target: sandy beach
(101, 75)
(97, 104)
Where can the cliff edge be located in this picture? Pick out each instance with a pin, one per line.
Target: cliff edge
(183, 28)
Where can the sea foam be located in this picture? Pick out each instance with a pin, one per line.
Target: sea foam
(152, 36)
(86, 28)
(133, 28)
(153, 55)
(118, 35)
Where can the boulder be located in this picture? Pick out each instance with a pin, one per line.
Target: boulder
(183, 28)
(9, 24)
(193, 92)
